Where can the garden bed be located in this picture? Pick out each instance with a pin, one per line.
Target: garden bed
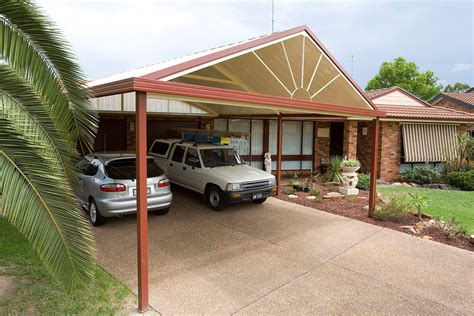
(355, 207)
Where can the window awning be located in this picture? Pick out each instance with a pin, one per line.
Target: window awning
(429, 142)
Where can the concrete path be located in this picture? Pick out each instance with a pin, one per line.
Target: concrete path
(283, 258)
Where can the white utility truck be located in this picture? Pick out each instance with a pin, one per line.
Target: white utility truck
(214, 170)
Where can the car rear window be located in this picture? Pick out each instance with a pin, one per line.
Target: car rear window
(126, 169)
(160, 148)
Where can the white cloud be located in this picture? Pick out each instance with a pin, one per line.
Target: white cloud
(461, 67)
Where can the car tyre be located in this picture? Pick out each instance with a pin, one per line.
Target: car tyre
(215, 198)
(94, 214)
(162, 212)
(259, 201)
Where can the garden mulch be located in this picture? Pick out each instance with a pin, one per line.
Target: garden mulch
(353, 207)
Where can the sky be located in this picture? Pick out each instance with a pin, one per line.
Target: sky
(113, 36)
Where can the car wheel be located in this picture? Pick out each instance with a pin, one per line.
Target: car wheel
(215, 199)
(162, 212)
(94, 214)
(259, 201)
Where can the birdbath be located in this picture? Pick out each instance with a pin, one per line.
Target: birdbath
(349, 177)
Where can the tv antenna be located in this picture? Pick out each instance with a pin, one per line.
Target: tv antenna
(273, 16)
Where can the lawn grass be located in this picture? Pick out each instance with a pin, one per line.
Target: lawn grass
(36, 292)
(443, 204)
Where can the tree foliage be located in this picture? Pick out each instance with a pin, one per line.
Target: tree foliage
(457, 87)
(406, 75)
(44, 114)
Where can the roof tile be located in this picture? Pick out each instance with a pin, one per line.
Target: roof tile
(424, 112)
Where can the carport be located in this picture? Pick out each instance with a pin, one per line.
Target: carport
(284, 76)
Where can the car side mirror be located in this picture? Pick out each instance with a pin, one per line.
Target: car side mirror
(193, 162)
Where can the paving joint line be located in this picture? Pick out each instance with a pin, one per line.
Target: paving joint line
(280, 286)
(357, 243)
(402, 290)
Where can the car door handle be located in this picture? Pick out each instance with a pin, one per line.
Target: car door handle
(184, 168)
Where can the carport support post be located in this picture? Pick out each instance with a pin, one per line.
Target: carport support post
(142, 211)
(279, 153)
(373, 167)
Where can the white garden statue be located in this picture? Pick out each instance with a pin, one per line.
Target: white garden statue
(268, 162)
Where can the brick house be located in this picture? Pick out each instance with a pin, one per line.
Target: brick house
(461, 101)
(297, 84)
(413, 132)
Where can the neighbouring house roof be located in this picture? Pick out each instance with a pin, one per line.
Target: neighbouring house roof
(378, 92)
(422, 112)
(465, 99)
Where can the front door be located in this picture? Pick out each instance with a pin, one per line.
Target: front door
(336, 140)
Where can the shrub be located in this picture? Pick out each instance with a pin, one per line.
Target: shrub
(421, 175)
(334, 174)
(350, 163)
(364, 181)
(419, 201)
(289, 192)
(393, 210)
(463, 180)
(316, 194)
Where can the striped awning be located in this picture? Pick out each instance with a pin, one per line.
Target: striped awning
(429, 142)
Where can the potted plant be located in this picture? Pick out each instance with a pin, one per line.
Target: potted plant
(323, 166)
(350, 165)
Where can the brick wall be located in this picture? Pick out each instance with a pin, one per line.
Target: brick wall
(350, 139)
(321, 144)
(453, 105)
(389, 154)
(364, 145)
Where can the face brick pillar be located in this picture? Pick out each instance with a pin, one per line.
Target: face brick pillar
(390, 151)
(350, 139)
(321, 142)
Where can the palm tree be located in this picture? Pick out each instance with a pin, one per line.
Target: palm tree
(44, 115)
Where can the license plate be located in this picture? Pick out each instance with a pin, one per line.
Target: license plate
(148, 191)
(256, 196)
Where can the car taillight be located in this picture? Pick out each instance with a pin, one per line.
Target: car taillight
(113, 187)
(164, 183)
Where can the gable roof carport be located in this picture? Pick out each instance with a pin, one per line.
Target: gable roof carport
(167, 83)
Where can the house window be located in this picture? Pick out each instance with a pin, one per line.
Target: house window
(297, 138)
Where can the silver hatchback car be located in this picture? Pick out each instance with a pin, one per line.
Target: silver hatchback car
(108, 186)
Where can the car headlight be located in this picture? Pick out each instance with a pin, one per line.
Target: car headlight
(272, 181)
(233, 187)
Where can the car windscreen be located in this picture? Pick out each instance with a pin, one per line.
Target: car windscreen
(217, 157)
(126, 168)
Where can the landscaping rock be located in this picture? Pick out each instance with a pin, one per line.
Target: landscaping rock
(333, 195)
(471, 239)
(415, 185)
(444, 186)
(431, 186)
(366, 208)
(406, 184)
(427, 237)
(410, 228)
(292, 196)
(396, 184)
(310, 197)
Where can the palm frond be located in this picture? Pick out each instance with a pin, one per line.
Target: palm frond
(20, 105)
(36, 49)
(33, 200)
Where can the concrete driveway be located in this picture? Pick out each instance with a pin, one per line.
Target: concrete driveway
(283, 258)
